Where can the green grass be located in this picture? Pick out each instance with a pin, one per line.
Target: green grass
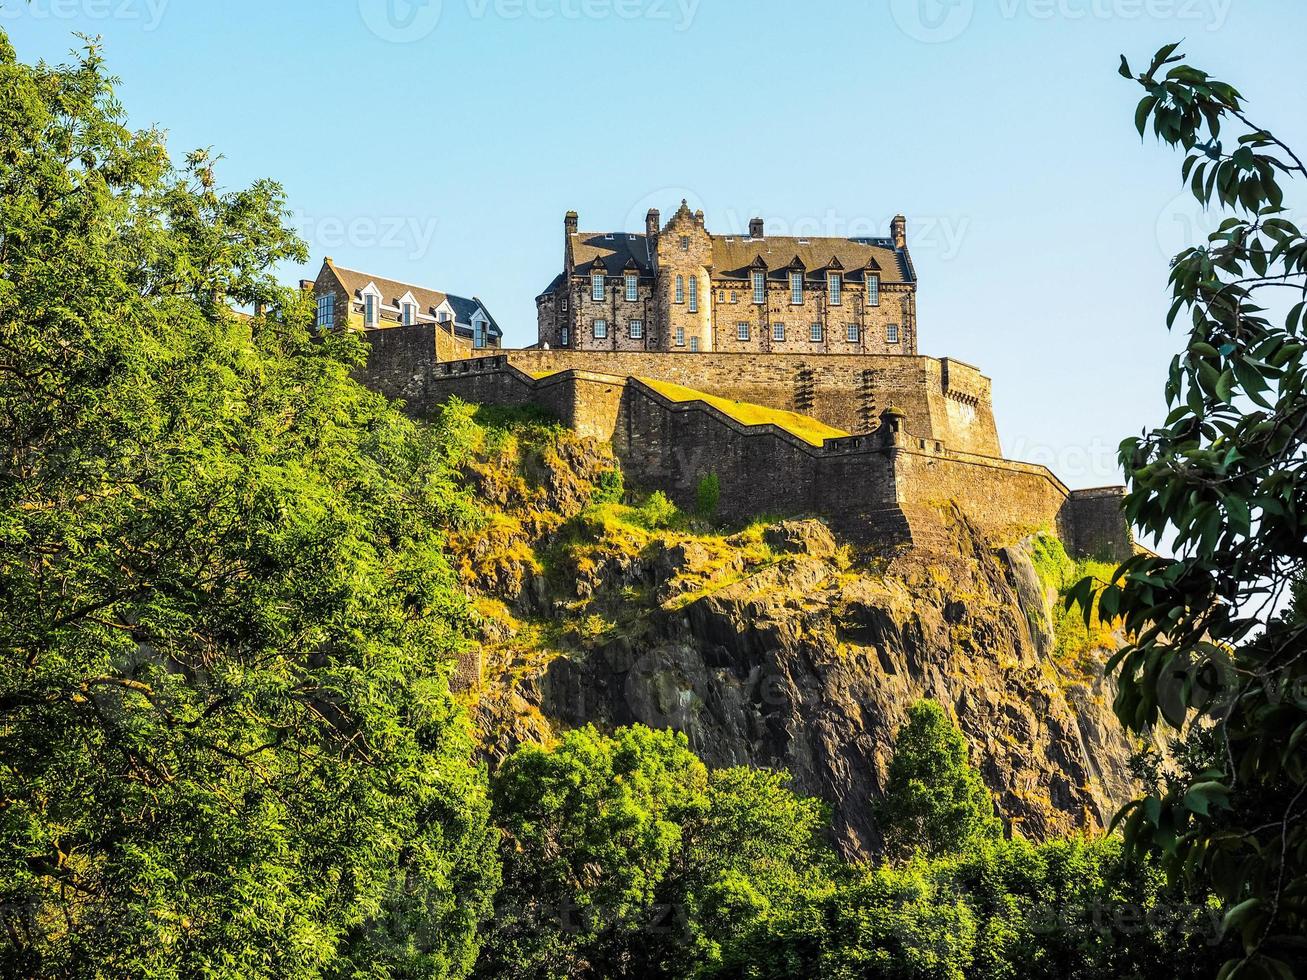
(808, 429)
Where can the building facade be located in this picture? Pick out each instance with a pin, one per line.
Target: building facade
(679, 288)
(347, 299)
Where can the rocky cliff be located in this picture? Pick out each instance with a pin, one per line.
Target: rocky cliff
(776, 644)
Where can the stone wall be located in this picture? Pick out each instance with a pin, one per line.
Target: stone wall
(1099, 523)
(943, 400)
(879, 487)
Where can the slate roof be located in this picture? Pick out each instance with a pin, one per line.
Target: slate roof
(616, 250)
(392, 291)
(736, 257)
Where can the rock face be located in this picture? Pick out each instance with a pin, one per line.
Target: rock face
(777, 647)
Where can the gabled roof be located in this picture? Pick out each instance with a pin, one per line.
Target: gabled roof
(615, 251)
(428, 300)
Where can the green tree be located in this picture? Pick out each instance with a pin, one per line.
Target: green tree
(934, 799)
(227, 747)
(623, 856)
(1225, 476)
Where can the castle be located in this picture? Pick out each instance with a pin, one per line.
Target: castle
(680, 288)
(786, 368)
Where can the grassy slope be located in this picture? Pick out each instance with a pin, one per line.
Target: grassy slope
(808, 429)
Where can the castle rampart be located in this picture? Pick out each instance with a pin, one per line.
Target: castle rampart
(880, 487)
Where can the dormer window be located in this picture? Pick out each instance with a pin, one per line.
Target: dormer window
(326, 311)
(597, 287)
(834, 287)
(369, 310)
(632, 287)
(873, 290)
(796, 288)
(759, 286)
(406, 314)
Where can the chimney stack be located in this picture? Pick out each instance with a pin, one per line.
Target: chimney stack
(569, 222)
(652, 223)
(755, 228)
(899, 230)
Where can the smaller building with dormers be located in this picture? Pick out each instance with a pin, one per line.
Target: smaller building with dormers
(349, 299)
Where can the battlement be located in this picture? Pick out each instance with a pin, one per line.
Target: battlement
(880, 486)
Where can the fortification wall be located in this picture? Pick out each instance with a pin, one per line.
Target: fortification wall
(943, 400)
(1002, 496)
(870, 486)
(1100, 529)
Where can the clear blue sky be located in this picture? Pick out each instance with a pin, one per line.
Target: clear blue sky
(441, 142)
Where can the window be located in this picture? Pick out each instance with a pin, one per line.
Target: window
(680, 289)
(760, 287)
(442, 317)
(685, 243)
(892, 333)
(326, 311)
(778, 331)
(816, 333)
(636, 329)
(369, 310)
(680, 336)
(632, 287)
(851, 331)
(735, 297)
(796, 288)
(406, 315)
(478, 333)
(565, 337)
(601, 329)
(834, 287)
(694, 343)
(742, 331)
(873, 290)
(694, 294)
(597, 288)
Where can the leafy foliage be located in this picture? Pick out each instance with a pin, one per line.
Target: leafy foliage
(1212, 652)
(227, 747)
(708, 495)
(934, 800)
(625, 857)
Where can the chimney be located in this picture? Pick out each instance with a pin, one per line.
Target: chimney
(755, 228)
(899, 230)
(652, 222)
(569, 223)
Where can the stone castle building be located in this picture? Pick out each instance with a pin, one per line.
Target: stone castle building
(347, 299)
(679, 347)
(678, 287)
